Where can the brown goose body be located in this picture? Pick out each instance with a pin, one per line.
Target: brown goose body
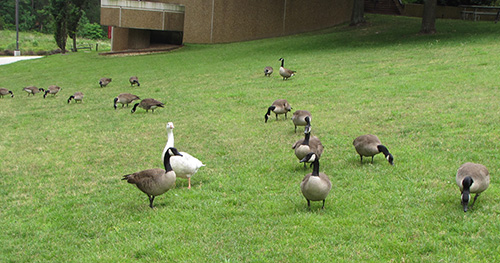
(78, 97)
(157, 181)
(284, 72)
(53, 89)
(103, 82)
(4, 91)
(134, 81)
(472, 178)
(280, 106)
(32, 90)
(148, 104)
(315, 186)
(125, 99)
(307, 145)
(268, 71)
(301, 118)
(369, 145)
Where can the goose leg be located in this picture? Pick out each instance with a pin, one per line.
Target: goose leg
(475, 197)
(323, 207)
(189, 183)
(372, 158)
(285, 115)
(276, 116)
(361, 158)
(308, 203)
(151, 199)
(295, 128)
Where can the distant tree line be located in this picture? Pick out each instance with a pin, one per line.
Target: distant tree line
(80, 17)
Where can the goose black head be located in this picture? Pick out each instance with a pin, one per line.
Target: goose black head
(134, 108)
(310, 157)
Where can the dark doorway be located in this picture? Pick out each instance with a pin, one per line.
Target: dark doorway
(159, 38)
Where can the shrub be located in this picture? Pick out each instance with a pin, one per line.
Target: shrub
(92, 31)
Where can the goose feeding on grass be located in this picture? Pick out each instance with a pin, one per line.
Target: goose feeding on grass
(185, 166)
(301, 118)
(307, 145)
(370, 145)
(268, 71)
(53, 89)
(125, 99)
(148, 104)
(280, 106)
(78, 97)
(284, 72)
(134, 81)
(315, 186)
(33, 90)
(103, 82)
(4, 91)
(472, 178)
(154, 182)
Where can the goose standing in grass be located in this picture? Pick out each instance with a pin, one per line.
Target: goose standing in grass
(148, 104)
(4, 91)
(315, 186)
(301, 118)
(268, 71)
(103, 82)
(134, 80)
(185, 166)
(280, 106)
(78, 97)
(307, 145)
(125, 99)
(154, 182)
(370, 145)
(284, 72)
(53, 89)
(33, 90)
(472, 178)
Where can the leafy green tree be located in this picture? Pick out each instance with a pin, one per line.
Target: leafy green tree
(75, 13)
(59, 10)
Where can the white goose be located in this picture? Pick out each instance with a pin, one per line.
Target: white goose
(184, 166)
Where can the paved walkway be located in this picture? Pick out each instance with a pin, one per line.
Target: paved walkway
(8, 60)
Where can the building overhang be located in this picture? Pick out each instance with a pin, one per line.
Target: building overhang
(142, 15)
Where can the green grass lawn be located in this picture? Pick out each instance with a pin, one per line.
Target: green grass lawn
(432, 100)
(34, 42)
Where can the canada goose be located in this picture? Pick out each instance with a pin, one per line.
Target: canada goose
(78, 97)
(315, 186)
(301, 118)
(148, 104)
(268, 71)
(4, 91)
(278, 107)
(185, 166)
(307, 145)
(53, 89)
(125, 98)
(370, 145)
(33, 90)
(104, 82)
(472, 178)
(154, 182)
(284, 72)
(134, 80)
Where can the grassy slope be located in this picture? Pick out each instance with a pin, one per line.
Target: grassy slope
(34, 42)
(433, 101)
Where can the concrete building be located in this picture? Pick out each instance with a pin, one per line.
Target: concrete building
(144, 24)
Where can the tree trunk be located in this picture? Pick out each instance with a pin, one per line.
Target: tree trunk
(429, 17)
(358, 13)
